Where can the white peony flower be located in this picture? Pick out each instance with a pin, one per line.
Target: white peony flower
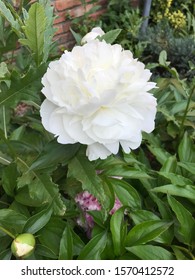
(97, 95)
(95, 32)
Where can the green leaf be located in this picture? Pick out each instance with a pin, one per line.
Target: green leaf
(189, 166)
(150, 252)
(6, 254)
(139, 216)
(169, 165)
(44, 251)
(160, 154)
(38, 221)
(187, 191)
(126, 172)
(9, 179)
(77, 36)
(6, 13)
(186, 149)
(4, 159)
(110, 36)
(94, 248)
(66, 245)
(54, 153)
(145, 232)
(176, 179)
(17, 134)
(182, 253)
(50, 235)
(83, 170)
(12, 221)
(24, 87)
(78, 244)
(119, 230)
(49, 30)
(40, 191)
(34, 30)
(4, 74)
(127, 195)
(163, 58)
(186, 221)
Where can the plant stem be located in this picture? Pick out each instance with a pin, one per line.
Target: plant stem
(4, 122)
(7, 232)
(181, 129)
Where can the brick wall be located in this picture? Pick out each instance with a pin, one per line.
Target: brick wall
(74, 8)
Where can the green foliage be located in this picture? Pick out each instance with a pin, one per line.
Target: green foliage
(179, 48)
(40, 178)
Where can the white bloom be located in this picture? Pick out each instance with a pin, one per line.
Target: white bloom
(23, 249)
(95, 32)
(97, 95)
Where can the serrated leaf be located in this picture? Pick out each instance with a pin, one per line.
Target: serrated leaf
(6, 13)
(145, 232)
(150, 252)
(40, 191)
(110, 36)
(94, 248)
(39, 188)
(66, 245)
(49, 30)
(34, 30)
(24, 87)
(186, 221)
(83, 170)
(38, 221)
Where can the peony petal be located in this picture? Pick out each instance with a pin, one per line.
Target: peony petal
(46, 110)
(74, 128)
(97, 94)
(96, 151)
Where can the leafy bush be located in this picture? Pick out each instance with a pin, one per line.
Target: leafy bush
(41, 178)
(180, 49)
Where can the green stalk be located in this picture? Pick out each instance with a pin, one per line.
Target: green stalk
(181, 129)
(7, 232)
(4, 123)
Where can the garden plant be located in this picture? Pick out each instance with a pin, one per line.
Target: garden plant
(97, 155)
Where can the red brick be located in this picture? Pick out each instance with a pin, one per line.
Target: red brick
(63, 27)
(62, 5)
(61, 16)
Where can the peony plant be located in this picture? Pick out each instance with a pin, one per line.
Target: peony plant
(98, 95)
(131, 205)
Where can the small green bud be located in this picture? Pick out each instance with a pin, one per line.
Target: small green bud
(23, 245)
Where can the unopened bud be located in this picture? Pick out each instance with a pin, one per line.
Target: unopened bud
(23, 245)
